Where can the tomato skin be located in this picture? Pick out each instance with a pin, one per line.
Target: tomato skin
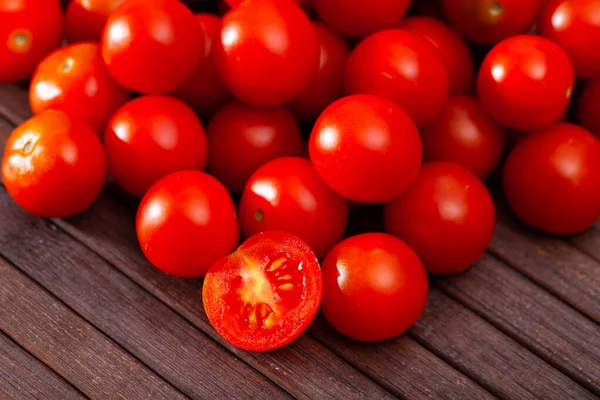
(490, 21)
(589, 107)
(75, 80)
(267, 52)
(252, 276)
(464, 133)
(402, 67)
(151, 137)
(152, 46)
(54, 166)
(526, 82)
(453, 50)
(85, 19)
(327, 85)
(359, 18)
(287, 194)
(29, 30)
(552, 179)
(374, 287)
(447, 217)
(186, 222)
(241, 138)
(366, 148)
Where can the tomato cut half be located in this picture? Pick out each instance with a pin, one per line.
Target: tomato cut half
(266, 293)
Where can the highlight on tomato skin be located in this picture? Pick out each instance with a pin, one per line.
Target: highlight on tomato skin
(265, 294)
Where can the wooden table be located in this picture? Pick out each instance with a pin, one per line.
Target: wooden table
(83, 314)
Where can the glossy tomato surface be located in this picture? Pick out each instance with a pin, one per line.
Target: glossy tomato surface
(465, 134)
(359, 18)
(75, 80)
(327, 85)
(85, 19)
(589, 107)
(447, 217)
(374, 287)
(575, 26)
(152, 46)
(267, 52)
(287, 194)
(242, 137)
(265, 294)
(186, 222)
(54, 166)
(402, 67)
(455, 53)
(366, 148)
(552, 179)
(526, 82)
(29, 30)
(490, 21)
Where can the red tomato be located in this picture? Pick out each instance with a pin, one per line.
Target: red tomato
(235, 3)
(490, 21)
(85, 19)
(75, 80)
(204, 91)
(447, 217)
(29, 30)
(589, 107)
(574, 25)
(402, 67)
(287, 194)
(453, 50)
(152, 46)
(186, 222)
(242, 137)
(526, 82)
(267, 52)
(327, 85)
(151, 137)
(265, 294)
(464, 133)
(366, 148)
(374, 287)
(54, 166)
(360, 18)
(552, 179)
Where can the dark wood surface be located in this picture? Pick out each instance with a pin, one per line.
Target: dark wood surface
(83, 314)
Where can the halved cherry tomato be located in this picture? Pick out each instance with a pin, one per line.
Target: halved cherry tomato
(54, 165)
(75, 80)
(589, 107)
(265, 294)
(85, 19)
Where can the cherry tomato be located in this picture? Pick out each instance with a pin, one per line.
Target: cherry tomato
(75, 80)
(29, 30)
(366, 148)
(54, 166)
(267, 52)
(186, 222)
(402, 67)
(287, 194)
(526, 82)
(85, 19)
(447, 217)
(453, 50)
(360, 18)
(490, 21)
(235, 3)
(552, 179)
(374, 287)
(464, 133)
(327, 85)
(265, 294)
(152, 46)
(242, 137)
(574, 25)
(589, 107)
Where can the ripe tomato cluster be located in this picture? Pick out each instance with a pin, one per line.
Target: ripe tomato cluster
(396, 116)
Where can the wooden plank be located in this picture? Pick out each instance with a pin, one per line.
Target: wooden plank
(144, 326)
(14, 103)
(588, 242)
(70, 346)
(22, 376)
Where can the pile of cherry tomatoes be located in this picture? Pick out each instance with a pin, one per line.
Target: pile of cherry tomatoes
(399, 111)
